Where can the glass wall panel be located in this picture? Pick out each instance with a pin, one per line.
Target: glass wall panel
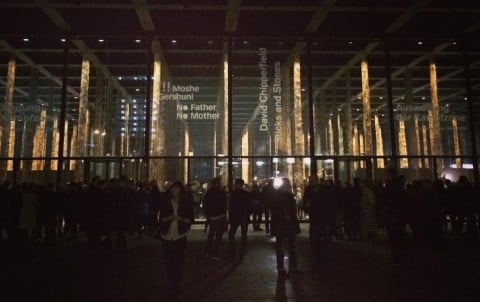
(106, 98)
(31, 77)
(269, 100)
(188, 107)
(454, 116)
(350, 99)
(191, 169)
(176, 90)
(430, 110)
(189, 97)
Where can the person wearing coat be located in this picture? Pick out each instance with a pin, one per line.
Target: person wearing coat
(239, 211)
(215, 207)
(176, 217)
(285, 225)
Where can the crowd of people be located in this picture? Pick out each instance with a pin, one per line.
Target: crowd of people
(112, 212)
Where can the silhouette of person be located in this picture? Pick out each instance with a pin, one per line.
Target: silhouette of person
(239, 216)
(285, 225)
(215, 206)
(176, 217)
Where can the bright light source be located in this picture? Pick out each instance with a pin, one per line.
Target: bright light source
(464, 166)
(277, 182)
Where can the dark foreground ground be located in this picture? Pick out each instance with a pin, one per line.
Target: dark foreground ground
(72, 272)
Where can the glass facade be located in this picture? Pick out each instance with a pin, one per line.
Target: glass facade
(169, 108)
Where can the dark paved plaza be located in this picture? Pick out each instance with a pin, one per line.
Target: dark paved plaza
(71, 271)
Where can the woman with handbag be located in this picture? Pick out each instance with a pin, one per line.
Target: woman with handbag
(176, 217)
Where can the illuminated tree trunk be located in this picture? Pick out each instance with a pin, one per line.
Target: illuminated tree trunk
(285, 143)
(361, 145)
(6, 118)
(225, 137)
(379, 142)
(425, 145)
(355, 144)
(11, 147)
(299, 169)
(367, 117)
(341, 150)
(417, 138)
(55, 142)
(157, 142)
(402, 142)
(39, 142)
(83, 123)
(245, 147)
(68, 138)
(456, 141)
(436, 141)
(186, 152)
(331, 147)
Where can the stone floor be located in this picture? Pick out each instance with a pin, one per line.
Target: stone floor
(72, 272)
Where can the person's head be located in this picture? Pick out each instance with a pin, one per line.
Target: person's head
(153, 184)
(239, 183)
(217, 182)
(286, 185)
(177, 190)
(313, 179)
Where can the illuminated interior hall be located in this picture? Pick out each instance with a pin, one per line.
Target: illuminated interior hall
(192, 90)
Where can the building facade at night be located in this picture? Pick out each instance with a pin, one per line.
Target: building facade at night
(238, 89)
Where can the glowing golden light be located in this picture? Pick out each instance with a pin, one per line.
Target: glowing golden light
(379, 142)
(402, 142)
